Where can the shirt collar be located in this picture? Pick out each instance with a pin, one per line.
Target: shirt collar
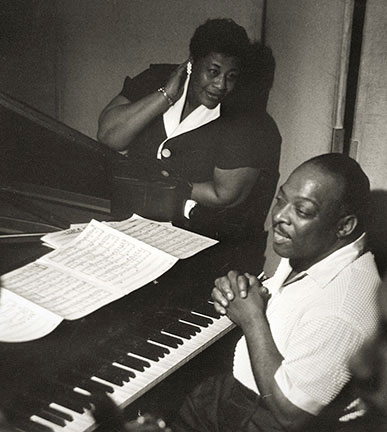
(323, 271)
(199, 117)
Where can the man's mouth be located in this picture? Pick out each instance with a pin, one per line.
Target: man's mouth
(279, 236)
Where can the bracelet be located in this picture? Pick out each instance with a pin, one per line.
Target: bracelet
(166, 95)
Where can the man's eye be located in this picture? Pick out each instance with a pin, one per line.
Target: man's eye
(303, 213)
(213, 72)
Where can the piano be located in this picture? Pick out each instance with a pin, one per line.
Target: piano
(51, 176)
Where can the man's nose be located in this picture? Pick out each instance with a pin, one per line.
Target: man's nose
(281, 213)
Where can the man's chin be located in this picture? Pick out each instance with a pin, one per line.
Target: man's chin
(283, 250)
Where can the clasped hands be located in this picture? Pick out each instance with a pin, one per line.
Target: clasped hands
(241, 297)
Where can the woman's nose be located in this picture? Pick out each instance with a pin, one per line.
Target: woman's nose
(220, 82)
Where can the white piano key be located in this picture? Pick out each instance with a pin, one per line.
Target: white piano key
(81, 421)
(146, 379)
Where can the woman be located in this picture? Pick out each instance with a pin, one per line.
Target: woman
(179, 119)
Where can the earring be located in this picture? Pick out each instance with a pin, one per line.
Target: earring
(189, 68)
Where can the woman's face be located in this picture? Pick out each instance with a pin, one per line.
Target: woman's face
(213, 77)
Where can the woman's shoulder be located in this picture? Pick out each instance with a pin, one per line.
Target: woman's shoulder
(251, 125)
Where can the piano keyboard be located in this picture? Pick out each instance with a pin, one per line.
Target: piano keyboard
(132, 373)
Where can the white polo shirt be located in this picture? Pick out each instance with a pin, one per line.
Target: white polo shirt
(318, 320)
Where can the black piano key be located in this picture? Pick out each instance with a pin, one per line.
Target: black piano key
(110, 377)
(31, 426)
(58, 413)
(115, 375)
(137, 346)
(122, 372)
(92, 386)
(72, 400)
(145, 349)
(53, 418)
(170, 341)
(207, 309)
(183, 330)
(133, 362)
(198, 320)
(165, 350)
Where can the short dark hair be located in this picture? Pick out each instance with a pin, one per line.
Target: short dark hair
(220, 35)
(356, 197)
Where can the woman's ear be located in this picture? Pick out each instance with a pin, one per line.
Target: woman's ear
(346, 226)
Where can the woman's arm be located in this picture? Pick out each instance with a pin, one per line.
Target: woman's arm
(120, 121)
(227, 189)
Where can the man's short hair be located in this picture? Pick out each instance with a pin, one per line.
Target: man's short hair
(356, 195)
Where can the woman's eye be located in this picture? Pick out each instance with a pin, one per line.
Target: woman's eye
(232, 77)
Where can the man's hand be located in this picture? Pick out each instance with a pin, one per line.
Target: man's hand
(239, 296)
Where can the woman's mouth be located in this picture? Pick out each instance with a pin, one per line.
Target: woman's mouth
(214, 97)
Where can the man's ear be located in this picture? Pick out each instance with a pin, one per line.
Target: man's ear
(346, 226)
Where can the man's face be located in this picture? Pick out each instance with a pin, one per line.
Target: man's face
(369, 366)
(305, 216)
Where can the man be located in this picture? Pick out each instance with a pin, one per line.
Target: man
(369, 367)
(302, 327)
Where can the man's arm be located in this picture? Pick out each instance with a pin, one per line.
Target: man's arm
(249, 313)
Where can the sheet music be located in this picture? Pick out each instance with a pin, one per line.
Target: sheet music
(58, 292)
(175, 241)
(164, 236)
(98, 267)
(22, 321)
(101, 254)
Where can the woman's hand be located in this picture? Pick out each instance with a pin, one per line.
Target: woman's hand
(175, 85)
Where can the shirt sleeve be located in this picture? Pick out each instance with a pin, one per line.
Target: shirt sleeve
(248, 141)
(315, 365)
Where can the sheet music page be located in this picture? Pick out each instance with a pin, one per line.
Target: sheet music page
(164, 236)
(58, 292)
(103, 256)
(172, 240)
(22, 321)
(99, 266)
(64, 237)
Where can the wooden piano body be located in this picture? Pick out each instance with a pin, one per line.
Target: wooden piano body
(51, 176)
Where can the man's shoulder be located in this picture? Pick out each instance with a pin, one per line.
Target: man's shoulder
(351, 296)
(364, 270)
